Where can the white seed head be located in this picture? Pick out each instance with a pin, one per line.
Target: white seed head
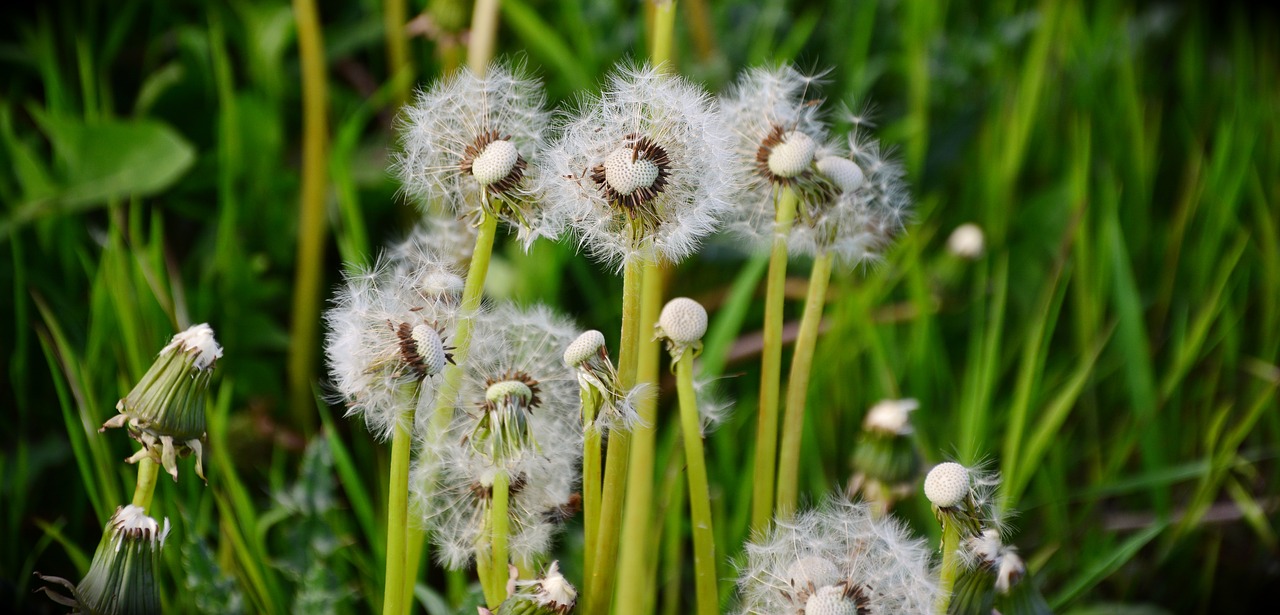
(947, 484)
(627, 173)
(556, 590)
(683, 320)
(891, 416)
(967, 241)
(830, 600)
(844, 173)
(508, 388)
(812, 570)
(430, 347)
(494, 162)
(198, 339)
(793, 156)
(586, 346)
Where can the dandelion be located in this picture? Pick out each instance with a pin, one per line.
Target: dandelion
(501, 481)
(550, 595)
(471, 143)
(967, 241)
(885, 461)
(963, 500)
(640, 172)
(121, 578)
(840, 558)
(165, 410)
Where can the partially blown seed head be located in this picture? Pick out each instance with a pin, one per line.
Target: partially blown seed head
(947, 484)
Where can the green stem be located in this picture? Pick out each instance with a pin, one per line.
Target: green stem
(798, 386)
(415, 539)
(664, 28)
(950, 563)
(590, 475)
(637, 548)
(600, 582)
(704, 543)
(393, 594)
(484, 29)
(393, 22)
(148, 470)
(771, 366)
(311, 216)
(501, 525)
(472, 292)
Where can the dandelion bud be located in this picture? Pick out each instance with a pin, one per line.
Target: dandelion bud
(885, 461)
(550, 595)
(947, 484)
(682, 324)
(165, 410)
(967, 241)
(844, 173)
(121, 579)
(791, 155)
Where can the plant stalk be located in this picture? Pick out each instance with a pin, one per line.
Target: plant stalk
(393, 595)
(590, 475)
(393, 22)
(704, 543)
(501, 525)
(771, 366)
(484, 30)
(950, 563)
(798, 386)
(148, 471)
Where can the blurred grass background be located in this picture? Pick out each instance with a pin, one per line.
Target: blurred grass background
(1114, 354)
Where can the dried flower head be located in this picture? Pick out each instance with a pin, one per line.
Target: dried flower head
(837, 559)
(640, 171)
(681, 326)
(388, 335)
(121, 578)
(517, 413)
(165, 410)
(471, 142)
(778, 134)
(550, 595)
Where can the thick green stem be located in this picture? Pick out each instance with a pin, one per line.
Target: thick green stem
(148, 470)
(590, 475)
(484, 29)
(393, 22)
(771, 366)
(950, 563)
(664, 29)
(602, 573)
(311, 216)
(637, 548)
(442, 414)
(393, 594)
(704, 542)
(798, 387)
(501, 525)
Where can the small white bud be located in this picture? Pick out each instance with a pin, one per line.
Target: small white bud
(831, 600)
(891, 416)
(495, 162)
(197, 338)
(844, 173)
(583, 348)
(626, 173)
(967, 241)
(947, 484)
(683, 320)
(430, 348)
(508, 388)
(791, 157)
(812, 570)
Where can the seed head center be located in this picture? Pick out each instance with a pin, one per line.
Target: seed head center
(495, 162)
(627, 172)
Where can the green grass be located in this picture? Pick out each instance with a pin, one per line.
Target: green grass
(1114, 354)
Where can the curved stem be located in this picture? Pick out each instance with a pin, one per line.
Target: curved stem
(771, 366)
(798, 386)
(704, 543)
(501, 525)
(148, 470)
(393, 594)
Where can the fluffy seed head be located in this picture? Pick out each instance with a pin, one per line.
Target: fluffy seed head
(947, 484)
(495, 162)
(508, 388)
(586, 346)
(967, 241)
(683, 320)
(837, 600)
(842, 172)
(625, 172)
(793, 155)
(812, 571)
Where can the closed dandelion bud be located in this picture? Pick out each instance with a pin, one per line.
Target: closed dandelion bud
(550, 595)
(967, 241)
(165, 410)
(121, 578)
(681, 325)
(885, 461)
(615, 408)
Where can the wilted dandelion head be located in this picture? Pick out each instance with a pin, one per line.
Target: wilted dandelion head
(858, 203)
(640, 170)
(388, 335)
(517, 414)
(121, 578)
(840, 559)
(778, 134)
(471, 142)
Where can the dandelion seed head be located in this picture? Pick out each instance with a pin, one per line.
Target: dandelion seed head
(792, 156)
(947, 484)
(583, 348)
(844, 173)
(683, 320)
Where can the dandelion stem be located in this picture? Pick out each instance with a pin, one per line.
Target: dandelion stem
(393, 594)
(148, 470)
(600, 583)
(393, 22)
(664, 29)
(501, 525)
(590, 475)
(771, 365)
(637, 548)
(950, 563)
(484, 29)
(704, 544)
(798, 386)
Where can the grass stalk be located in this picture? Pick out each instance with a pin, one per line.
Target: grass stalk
(393, 595)
(601, 576)
(148, 470)
(311, 218)
(590, 475)
(394, 16)
(798, 386)
(500, 523)
(771, 365)
(704, 543)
